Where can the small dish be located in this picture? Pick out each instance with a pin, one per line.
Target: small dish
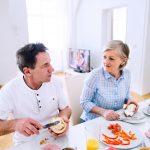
(145, 111)
(69, 148)
(138, 117)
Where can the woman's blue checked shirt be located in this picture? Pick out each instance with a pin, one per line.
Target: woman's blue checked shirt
(103, 90)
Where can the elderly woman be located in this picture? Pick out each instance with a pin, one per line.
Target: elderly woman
(108, 88)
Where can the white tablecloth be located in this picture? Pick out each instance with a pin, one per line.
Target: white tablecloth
(76, 136)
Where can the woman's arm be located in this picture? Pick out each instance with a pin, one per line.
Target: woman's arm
(106, 113)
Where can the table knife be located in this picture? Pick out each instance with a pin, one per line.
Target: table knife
(50, 124)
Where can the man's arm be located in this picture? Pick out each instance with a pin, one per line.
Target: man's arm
(6, 127)
(26, 126)
(65, 113)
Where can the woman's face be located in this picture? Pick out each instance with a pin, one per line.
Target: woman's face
(112, 62)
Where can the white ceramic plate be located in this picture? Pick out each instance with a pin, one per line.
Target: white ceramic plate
(134, 121)
(145, 111)
(138, 117)
(126, 127)
(51, 139)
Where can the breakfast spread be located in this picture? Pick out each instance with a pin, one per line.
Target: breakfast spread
(130, 110)
(45, 145)
(43, 141)
(60, 127)
(120, 137)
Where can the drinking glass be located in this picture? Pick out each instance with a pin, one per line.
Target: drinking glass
(92, 132)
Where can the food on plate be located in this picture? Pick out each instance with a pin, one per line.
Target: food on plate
(120, 137)
(51, 147)
(130, 110)
(60, 127)
(43, 141)
(147, 133)
(114, 127)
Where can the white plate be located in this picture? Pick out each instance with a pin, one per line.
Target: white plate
(134, 121)
(126, 127)
(51, 139)
(145, 111)
(147, 142)
(138, 117)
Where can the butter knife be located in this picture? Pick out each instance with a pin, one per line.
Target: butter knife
(50, 124)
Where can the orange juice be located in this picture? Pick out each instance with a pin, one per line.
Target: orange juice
(92, 144)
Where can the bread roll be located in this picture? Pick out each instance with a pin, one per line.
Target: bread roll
(60, 127)
(130, 110)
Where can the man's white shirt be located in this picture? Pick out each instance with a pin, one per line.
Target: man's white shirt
(23, 102)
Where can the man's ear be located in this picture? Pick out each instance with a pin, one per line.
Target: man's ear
(27, 71)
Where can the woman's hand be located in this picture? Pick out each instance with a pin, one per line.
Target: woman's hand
(110, 114)
(133, 102)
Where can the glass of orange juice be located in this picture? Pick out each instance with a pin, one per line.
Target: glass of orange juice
(92, 144)
(92, 136)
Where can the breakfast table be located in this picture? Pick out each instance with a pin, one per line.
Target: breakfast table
(76, 135)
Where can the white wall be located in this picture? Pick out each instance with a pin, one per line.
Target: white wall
(13, 29)
(88, 31)
(90, 34)
(146, 56)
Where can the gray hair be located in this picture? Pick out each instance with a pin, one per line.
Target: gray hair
(122, 49)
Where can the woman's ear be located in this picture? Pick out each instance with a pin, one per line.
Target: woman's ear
(123, 63)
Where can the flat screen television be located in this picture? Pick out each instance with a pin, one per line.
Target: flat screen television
(79, 60)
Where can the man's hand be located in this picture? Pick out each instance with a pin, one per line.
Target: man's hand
(27, 126)
(66, 120)
(110, 115)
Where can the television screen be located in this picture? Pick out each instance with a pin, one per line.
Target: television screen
(79, 60)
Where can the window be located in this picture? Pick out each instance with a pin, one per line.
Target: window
(119, 22)
(47, 23)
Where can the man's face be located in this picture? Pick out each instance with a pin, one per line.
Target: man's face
(43, 68)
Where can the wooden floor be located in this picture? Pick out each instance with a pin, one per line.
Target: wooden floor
(6, 140)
